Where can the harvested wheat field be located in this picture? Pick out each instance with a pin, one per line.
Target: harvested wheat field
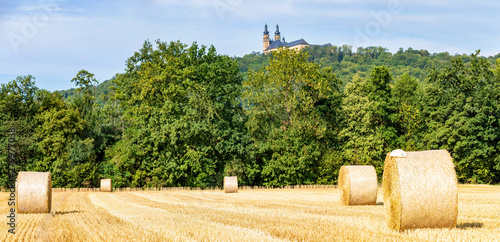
(249, 215)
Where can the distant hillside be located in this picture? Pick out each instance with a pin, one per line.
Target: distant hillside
(347, 62)
(101, 90)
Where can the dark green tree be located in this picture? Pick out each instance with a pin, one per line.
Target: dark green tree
(407, 120)
(289, 103)
(19, 104)
(183, 126)
(461, 115)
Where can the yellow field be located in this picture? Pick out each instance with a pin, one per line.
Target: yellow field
(250, 215)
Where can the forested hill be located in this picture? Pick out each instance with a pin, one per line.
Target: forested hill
(185, 115)
(102, 90)
(347, 62)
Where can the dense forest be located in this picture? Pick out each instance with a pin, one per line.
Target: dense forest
(184, 115)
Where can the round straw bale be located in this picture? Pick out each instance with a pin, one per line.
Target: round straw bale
(420, 190)
(34, 192)
(358, 185)
(230, 184)
(106, 185)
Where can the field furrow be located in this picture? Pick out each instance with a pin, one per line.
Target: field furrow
(175, 225)
(266, 219)
(26, 227)
(357, 220)
(249, 215)
(233, 202)
(78, 220)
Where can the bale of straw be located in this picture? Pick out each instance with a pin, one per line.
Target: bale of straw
(230, 184)
(420, 190)
(106, 185)
(34, 192)
(358, 185)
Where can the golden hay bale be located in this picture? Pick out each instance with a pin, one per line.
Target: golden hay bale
(106, 185)
(420, 190)
(230, 184)
(358, 185)
(34, 192)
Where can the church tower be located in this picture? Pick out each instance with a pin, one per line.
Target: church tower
(266, 37)
(277, 35)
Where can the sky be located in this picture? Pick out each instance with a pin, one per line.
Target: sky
(54, 39)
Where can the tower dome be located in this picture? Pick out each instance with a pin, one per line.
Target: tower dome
(277, 33)
(265, 29)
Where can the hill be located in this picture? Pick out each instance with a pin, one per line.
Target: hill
(346, 62)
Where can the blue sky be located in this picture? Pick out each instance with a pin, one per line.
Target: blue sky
(54, 39)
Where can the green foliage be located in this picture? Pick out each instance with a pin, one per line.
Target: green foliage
(182, 120)
(346, 62)
(19, 104)
(407, 119)
(287, 103)
(463, 117)
(254, 61)
(59, 125)
(362, 137)
(103, 92)
(186, 116)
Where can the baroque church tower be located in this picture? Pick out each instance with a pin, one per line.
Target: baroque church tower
(270, 45)
(277, 35)
(266, 37)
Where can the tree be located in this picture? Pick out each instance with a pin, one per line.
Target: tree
(287, 103)
(406, 100)
(363, 143)
(19, 103)
(461, 115)
(368, 132)
(182, 121)
(59, 126)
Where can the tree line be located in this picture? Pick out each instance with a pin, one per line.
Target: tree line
(184, 115)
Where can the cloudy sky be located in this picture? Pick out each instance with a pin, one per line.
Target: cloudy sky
(54, 39)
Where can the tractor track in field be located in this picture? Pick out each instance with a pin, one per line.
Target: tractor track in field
(253, 218)
(89, 223)
(363, 221)
(130, 214)
(27, 226)
(81, 216)
(250, 215)
(42, 226)
(243, 204)
(228, 228)
(188, 227)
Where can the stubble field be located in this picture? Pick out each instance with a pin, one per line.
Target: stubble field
(250, 215)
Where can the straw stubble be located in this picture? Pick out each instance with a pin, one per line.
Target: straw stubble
(420, 190)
